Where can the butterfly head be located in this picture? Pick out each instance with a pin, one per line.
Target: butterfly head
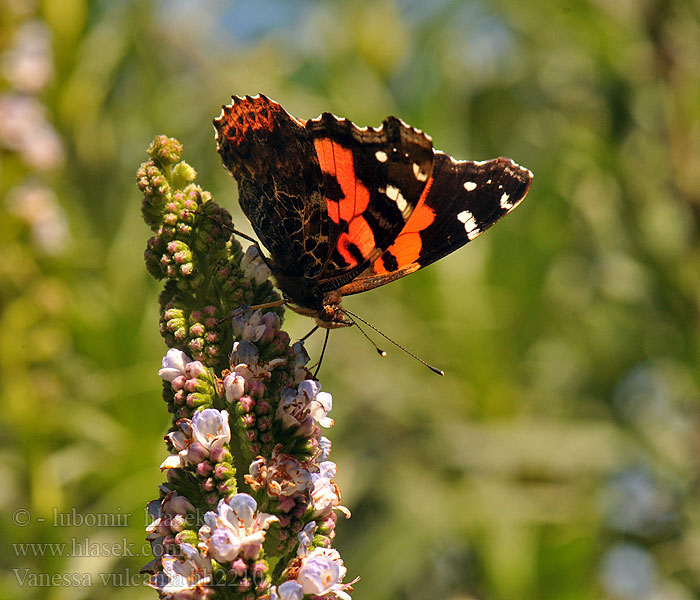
(330, 315)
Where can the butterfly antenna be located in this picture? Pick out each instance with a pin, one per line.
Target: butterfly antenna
(369, 339)
(323, 350)
(386, 337)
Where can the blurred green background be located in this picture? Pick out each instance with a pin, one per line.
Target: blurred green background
(559, 456)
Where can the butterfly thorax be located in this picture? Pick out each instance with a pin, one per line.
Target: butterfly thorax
(306, 298)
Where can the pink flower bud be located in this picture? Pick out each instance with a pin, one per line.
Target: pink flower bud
(204, 468)
(286, 503)
(178, 383)
(218, 454)
(196, 453)
(263, 406)
(257, 388)
(285, 520)
(271, 319)
(178, 523)
(197, 330)
(239, 567)
(246, 403)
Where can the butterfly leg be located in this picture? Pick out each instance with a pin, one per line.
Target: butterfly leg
(323, 351)
(245, 236)
(274, 304)
(242, 309)
(309, 334)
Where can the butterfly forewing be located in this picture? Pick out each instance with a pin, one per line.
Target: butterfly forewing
(462, 200)
(372, 181)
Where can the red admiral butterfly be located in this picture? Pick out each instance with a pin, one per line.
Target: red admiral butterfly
(343, 209)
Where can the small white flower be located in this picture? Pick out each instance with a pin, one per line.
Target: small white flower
(289, 590)
(249, 325)
(210, 428)
(174, 363)
(283, 476)
(289, 477)
(181, 440)
(306, 537)
(321, 574)
(320, 406)
(295, 408)
(174, 461)
(254, 266)
(181, 576)
(162, 511)
(234, 385)
(324, 446)
(326, 496)
(235, 529)
(292, 409)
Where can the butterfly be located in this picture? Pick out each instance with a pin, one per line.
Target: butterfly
(344, 209)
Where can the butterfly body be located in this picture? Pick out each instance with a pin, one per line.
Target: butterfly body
(343, 209)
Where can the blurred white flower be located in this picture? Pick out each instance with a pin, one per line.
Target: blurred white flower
(28, 64)
(38, 206)
(25, 129)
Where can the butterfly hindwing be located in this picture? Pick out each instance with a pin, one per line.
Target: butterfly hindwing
(461, 200)
(272, 157)
(372, 179)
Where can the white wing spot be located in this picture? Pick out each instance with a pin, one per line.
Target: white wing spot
(470, 186)
(381, 156)
(488, 182)
(394, 193)
(418, 173)
(470, 225)
(505, 201)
